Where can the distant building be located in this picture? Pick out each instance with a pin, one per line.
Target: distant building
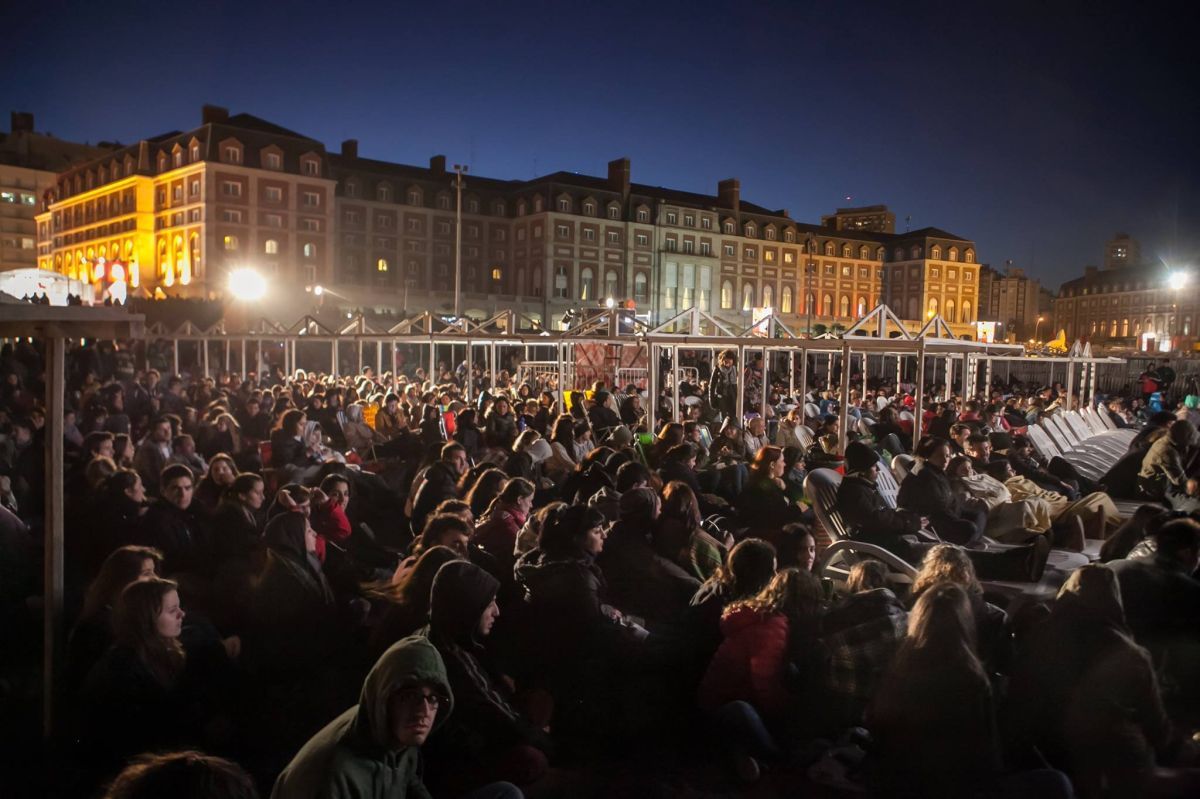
(874, 218)
(1013, 299)
(180, 210)
(1129, 303)
(29, 166)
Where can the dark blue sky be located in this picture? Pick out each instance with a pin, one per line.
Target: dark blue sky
(1037, 133)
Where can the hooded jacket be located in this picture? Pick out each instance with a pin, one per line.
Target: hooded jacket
(486, 720)
(750, 664)
(352, 757)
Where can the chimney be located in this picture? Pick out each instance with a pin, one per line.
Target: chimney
(618, 175)
(437, 164)
(21, 122)
(143, 159)
(213, 113)
(350, 148)
(729, 194)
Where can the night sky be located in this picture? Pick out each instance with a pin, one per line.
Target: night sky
(1037, 133)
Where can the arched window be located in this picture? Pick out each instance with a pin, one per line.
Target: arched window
(383, 193)
(864, 252)
(970, 257)
(810, 303)
(966, 311)
(860, 309)
(587, 283)
(844, 305)
(914, 307)
(847, 251)
(768, 296)
(879, 254)
(726, 295)
(933, 307)
(639, 288)
(381, 265)
(785, 300)
(747, 296)
(935, 252)
(163, 261)
(949, 314)
(1112, 328)
(829, 248)
(826, 305)
(271, 247)
(610, 284)
(953, 254)
(193, 254)
(310, 250)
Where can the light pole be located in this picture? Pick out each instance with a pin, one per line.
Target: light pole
(459, 171)
(809, 299)
(1176, 280)
(1037, 327)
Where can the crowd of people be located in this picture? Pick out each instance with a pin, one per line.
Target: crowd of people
(456, 584)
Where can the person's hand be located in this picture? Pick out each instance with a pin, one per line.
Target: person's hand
(285, 499)
(319, 497)
(233, 647)
(924, 522)
(5, 484)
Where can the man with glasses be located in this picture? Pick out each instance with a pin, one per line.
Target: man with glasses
(373, 748)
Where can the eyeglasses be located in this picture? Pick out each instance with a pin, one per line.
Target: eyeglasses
(411, 696)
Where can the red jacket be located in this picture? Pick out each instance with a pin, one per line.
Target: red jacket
(497, 534)
(330, 524)
(750, 664)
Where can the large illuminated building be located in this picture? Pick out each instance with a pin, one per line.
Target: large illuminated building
(1130, 303)
(179, 212)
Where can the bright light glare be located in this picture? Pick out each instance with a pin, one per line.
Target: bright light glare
(318, 290)
(609, 302)
(1177, 280)
(246, 284)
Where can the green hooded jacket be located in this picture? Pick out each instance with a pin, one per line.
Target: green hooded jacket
(351, 757)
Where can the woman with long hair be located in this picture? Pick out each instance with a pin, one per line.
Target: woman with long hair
(763, 505)
(93, 633)
(562, 447)
(767, 640)
(932, 714)
(123, 450)
(679, 536)
(501, 424)
(120, 505)
(948, 563)
(134, 699)
(287, 440)
(502, 521)
(221, 472)
(224, 435)
(406, 601)
(671, 435)
(467, 433)
(483, 489)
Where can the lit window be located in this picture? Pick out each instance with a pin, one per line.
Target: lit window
(271, 247)
(497, 274)
(231, 242)
(381, 265)
(310, 250)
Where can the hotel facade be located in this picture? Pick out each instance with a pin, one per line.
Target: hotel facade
(173, 215)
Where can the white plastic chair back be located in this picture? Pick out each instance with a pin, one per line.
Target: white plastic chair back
(1078, 426)
(805, 437)
(1061, 443)
(907, 416)
(821, 486)
(902, 466)
(889, 489)
(1042, 442)
(812, 410)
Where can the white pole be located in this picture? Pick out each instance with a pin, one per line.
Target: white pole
(844, 404)
(919, 406)
(741, 388)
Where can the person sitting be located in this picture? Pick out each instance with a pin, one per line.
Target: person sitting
(136, 698)
(170, 525)
(391, 420)
(359, 435)
(1088, 698)
(928, 493)
(754, 438)
(499, 525)
(1161, 595)
(1096, 511)
(221, 471)
(183, 450)
(439, 483)
(763, 506)
(487, 730)
(933, 714)
(750, 566)
(861, 634)
(1007, 519)
(287, 441)
(402, 604)
(1025, 463)
(679, 464)
(747, 686)
(1163, 476)
(154, 453)
(640, 581)
(867, 514)
(372, 750)
(186, 774)
(501, 425)
(680, 537)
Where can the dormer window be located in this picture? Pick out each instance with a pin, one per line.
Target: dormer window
(231, 154)
(273, 161)
(564, 204)
(195, 155)
(383, 193)
(311, 167)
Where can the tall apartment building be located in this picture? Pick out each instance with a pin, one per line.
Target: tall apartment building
(182, 209)
(1129, 303)
(875, 218)
(1013, 299)
(29, 166)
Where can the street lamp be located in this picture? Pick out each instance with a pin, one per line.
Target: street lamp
(1176, 281)
(1040, 319)
(459, 171)
(247, 284)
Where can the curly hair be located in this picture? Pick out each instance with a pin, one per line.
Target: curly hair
(946, 563)
(792, 592)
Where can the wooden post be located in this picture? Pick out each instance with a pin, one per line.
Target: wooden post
(175, 352)
(52, 609)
